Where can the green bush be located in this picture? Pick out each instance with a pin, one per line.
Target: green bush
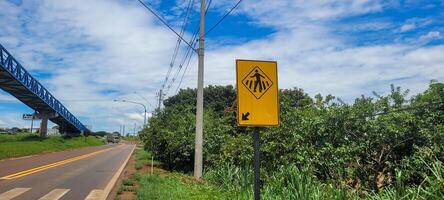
(360, 146)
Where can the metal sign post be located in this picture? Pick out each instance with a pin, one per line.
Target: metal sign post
(257, 104)
(257, 164)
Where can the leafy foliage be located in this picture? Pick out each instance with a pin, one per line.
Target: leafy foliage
(362, 146)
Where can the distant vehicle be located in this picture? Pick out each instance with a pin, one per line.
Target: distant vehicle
(113, 138)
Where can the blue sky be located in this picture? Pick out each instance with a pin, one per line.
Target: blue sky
(88, 53)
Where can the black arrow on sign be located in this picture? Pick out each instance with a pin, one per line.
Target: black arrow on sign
(245, 116)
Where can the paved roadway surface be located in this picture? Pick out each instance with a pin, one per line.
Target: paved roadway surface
(75, 174)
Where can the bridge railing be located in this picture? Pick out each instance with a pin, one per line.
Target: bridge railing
(14, 68)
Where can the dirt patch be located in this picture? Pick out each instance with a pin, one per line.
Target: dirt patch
(125, 195)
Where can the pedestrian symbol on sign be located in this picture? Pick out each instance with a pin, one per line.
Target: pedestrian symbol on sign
(257, 82)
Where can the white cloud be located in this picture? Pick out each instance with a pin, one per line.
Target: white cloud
(430, 36)
(5, 97)
(407, 27)
(314, 57)
(415, 23)
(105, 50)
(135, 116)
(291, 13)
(13, 119)
(104, 46)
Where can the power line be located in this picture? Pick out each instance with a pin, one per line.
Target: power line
(408, 108)
(178, 70)
(183, 74)
(177, 47)
(187, 56)
(398, 110)
(185, 22)
(165, 23)
(226, 14)
(188, 53)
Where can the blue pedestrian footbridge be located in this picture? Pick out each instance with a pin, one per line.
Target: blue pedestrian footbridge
(15, 80)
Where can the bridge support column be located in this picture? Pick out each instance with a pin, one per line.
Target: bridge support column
(44, 127)
(44, 123)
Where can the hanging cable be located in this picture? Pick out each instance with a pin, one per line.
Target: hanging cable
(165, 23)
(177, 47)
(183, 74)
(226, 15)
(187, 56)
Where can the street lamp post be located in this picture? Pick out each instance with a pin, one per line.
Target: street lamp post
(144, 107)
(145, 99)
(144, 125)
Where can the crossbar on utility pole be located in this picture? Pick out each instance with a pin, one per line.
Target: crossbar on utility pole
(199, 104)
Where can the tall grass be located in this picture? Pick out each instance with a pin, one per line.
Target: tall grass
(238, 181)
(284, 183)
(432, 188)
(27, 144)
(289, 182)
(142, 158)
(173, 186)
(292, 183)
(165, 185)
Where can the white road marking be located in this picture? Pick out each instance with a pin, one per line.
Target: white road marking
(13, 193)
(55, 194)
(96, 195)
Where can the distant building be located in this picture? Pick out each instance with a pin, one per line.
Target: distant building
(53, 131)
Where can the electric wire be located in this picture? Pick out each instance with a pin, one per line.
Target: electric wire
(177, 47)
(194, 42)
(183, 74)
(188, 55)
(397, 110)
(179, 70)
(221, 19)
(407, 108)
(165, 23)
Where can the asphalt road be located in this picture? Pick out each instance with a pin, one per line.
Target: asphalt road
(85, 173)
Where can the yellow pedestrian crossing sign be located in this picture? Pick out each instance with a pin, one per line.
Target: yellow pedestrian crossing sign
(257, 82)
(257, 93)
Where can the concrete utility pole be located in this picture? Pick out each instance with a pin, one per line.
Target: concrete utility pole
(160, 100)
(199, 103)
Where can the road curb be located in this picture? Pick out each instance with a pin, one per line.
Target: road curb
(116, 176)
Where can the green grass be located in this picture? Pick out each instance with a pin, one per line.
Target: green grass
(128, 182)
(175, 186)
(144, 158)
(288, 182)
(168, 186)
(24, 144)
(281, 184)
(432, 188)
